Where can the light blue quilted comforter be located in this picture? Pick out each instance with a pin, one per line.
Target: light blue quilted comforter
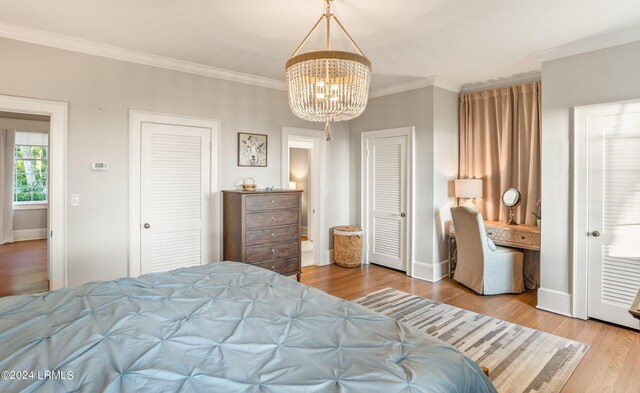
(224, 327)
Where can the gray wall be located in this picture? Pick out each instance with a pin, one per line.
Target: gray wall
(434, 113)
(445, 166)
(29, 219)
(606, 75)
(100, 93)
(299, 172)
(411, 108)
(36, 218)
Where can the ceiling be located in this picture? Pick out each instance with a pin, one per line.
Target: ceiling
(462, 41)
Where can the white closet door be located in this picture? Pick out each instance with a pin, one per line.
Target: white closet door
(387, 201)
(175, 193)
(614, 218)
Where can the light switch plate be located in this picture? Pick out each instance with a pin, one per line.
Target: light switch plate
(75, 199)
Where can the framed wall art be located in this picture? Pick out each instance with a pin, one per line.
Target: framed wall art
(252, 149)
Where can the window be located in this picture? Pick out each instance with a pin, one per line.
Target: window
(31, 172)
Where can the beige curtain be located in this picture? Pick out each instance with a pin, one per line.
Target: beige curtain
(7, 145)
(500, 143)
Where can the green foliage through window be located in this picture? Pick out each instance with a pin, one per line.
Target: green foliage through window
(30, 173)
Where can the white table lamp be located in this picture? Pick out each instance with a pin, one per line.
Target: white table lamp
(469, 189)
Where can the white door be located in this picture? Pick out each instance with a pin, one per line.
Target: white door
(385, 196)
(175, 192)
(614, 217)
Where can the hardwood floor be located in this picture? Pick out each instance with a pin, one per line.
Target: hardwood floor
(23, 268)
(612, 364)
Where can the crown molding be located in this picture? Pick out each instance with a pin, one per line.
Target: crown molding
(496, 83)
(435, 81)
(113, 52)
(605, 41)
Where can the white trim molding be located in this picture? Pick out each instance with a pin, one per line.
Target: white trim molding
(409, 132)
(430, 272)
(554, 301)
(78, 45)
(417, 84)
(620, 37)
(58, 113)
(497, 83)
(136, 119)
(29, 234)
(30, 206)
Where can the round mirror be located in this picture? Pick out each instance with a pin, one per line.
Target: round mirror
(511, 197)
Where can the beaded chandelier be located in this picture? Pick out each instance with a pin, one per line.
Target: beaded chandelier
(328, 85)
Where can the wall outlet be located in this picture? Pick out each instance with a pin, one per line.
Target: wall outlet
(75, 199)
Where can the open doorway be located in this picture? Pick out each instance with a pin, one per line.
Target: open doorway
(300, 179)
(307, 172)
(24, 201)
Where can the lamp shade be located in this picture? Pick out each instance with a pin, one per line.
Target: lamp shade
(469, 188)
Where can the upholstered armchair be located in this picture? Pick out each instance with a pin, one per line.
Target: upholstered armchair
(482, 266)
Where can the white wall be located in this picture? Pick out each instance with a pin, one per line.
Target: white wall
(100, 93)
(607, 75)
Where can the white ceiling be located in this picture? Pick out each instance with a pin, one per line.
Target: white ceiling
(462, 41)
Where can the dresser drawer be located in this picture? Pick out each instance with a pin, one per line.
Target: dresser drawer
(272, 218)
(282, 266)
(271, 202)
(271, 235)
(271, 251)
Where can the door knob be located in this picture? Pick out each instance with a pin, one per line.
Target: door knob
(402, 215)
(595, 234)
(146, 225)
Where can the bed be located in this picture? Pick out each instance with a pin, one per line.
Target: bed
(224, 327)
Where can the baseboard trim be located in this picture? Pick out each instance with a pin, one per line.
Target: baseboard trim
(554, 301)
(29, 234)
(430, 272)
(328, 258)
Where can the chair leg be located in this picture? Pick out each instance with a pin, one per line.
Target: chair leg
(485, 371)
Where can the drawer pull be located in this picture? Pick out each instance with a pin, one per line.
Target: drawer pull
(273, 252)
(273, 268)
(273, 202)
(274, 218)
(274, 234)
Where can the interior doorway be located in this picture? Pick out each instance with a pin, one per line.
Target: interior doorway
(303, 154)
(607, 212)
(386, 197)
(299, 179)
(24, 201)
(174, 192)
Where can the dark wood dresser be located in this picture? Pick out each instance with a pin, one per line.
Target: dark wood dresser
(263, 228)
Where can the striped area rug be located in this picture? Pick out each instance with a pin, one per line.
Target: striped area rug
(519, 359)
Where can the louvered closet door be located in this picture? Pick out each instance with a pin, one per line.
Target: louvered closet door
(175, 192)
(387, 201)
(614, 215)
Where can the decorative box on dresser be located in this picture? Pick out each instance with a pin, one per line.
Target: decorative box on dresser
(262, 228)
